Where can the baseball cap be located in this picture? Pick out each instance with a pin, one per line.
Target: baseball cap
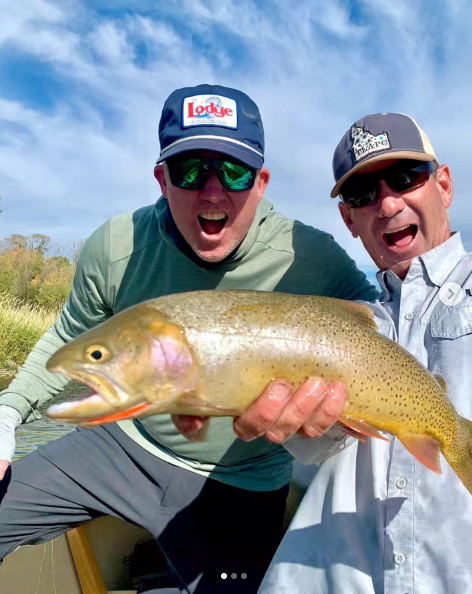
(214, 118)
(377, 137)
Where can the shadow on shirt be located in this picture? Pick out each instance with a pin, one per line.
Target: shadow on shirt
(352, 539)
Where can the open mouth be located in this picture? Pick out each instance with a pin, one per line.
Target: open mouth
(212, 223)
(401, 238)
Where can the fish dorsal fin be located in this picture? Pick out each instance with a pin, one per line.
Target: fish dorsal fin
(441, 382)
(359, 313)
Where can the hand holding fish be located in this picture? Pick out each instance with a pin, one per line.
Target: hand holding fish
(213, 353)
(279, 413)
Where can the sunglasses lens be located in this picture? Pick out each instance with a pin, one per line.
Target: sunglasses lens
(188, 174)
(360, 191)
(402, 181)
(236, 177)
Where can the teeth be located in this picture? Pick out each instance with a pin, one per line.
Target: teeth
(213, 216)
(397, 230)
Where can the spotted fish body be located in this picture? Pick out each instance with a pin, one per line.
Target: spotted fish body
(214, 352)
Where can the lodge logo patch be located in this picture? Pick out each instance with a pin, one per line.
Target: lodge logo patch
(364, 143)
(209, 110)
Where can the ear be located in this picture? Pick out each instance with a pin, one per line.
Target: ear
(263, 178)
(160, 175)
(346, 215)
(444, 183)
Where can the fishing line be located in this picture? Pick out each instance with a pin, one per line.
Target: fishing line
(41, 569)
(52, 560)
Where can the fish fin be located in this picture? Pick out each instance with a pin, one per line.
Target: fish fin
(361, 427)
(441, 382)
(202, 407)
(424, 448)
(348, 431)
(362, 314)
(130, 413)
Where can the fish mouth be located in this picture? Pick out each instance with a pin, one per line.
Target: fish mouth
(105, 403)
(400, 238)
(107, 390)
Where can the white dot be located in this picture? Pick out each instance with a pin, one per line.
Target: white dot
(234, 576)
(243, 576)
(224, 576)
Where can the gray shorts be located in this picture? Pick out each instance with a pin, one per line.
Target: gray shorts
(204, 527)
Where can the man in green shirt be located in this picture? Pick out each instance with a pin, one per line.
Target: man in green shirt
(213, 505)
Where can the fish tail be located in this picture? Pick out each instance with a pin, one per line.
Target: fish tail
(459, 453)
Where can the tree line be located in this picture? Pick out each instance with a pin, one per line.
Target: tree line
(33, 271)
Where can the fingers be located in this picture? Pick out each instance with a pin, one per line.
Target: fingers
(4, 464)
(264, 412)
(328, 411)
(193, 428)
(311, 411)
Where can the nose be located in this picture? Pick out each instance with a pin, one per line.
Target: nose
(213, 191)
(390, 203)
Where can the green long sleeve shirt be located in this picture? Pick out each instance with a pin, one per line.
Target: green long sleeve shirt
(138, 256)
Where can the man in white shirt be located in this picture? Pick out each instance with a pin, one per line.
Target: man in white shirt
(374, 519)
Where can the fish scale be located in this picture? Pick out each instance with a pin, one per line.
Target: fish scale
(214, 352)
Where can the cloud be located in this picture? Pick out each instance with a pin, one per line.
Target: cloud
(312, 67)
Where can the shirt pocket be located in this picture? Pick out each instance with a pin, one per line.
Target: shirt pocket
(453, 323)
(450, 348)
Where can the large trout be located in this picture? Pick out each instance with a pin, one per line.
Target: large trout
(213, 352)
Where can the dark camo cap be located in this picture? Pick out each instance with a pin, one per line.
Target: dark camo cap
(377, 137)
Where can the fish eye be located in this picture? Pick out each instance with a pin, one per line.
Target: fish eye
(96, 353)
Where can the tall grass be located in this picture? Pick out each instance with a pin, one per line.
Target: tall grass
(21, 326)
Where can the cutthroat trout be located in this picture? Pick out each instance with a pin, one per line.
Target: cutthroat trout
(214, 352)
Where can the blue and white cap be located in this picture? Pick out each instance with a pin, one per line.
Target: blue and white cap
(377, 137)
(214, 118)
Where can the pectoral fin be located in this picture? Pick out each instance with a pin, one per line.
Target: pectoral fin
(190, 404)
(348, 431)
(360, 427)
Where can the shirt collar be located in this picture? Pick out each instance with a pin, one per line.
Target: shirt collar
(438, 262)
(441, 261)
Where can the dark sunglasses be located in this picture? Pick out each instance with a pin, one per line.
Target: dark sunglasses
(362, 190)
(192, 173)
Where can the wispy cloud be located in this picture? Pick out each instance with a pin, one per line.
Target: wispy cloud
(314, 67)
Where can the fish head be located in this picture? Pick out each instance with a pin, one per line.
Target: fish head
(136, 363)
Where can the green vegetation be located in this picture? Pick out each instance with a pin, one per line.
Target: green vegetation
(33, 287)
(30, 275)
(21, 326)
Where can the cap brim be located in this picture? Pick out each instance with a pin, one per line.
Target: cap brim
(417, 155)
(237, 151)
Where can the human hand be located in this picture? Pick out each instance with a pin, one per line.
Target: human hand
(10, 418)
(278, 414)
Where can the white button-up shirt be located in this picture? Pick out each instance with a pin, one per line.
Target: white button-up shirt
(374, 519)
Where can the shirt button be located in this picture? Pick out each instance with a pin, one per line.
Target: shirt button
(401, 482)
(399, 558)
(409, 316)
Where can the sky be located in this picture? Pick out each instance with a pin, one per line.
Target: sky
(83, 82)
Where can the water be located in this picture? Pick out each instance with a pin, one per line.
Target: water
(31, 435)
